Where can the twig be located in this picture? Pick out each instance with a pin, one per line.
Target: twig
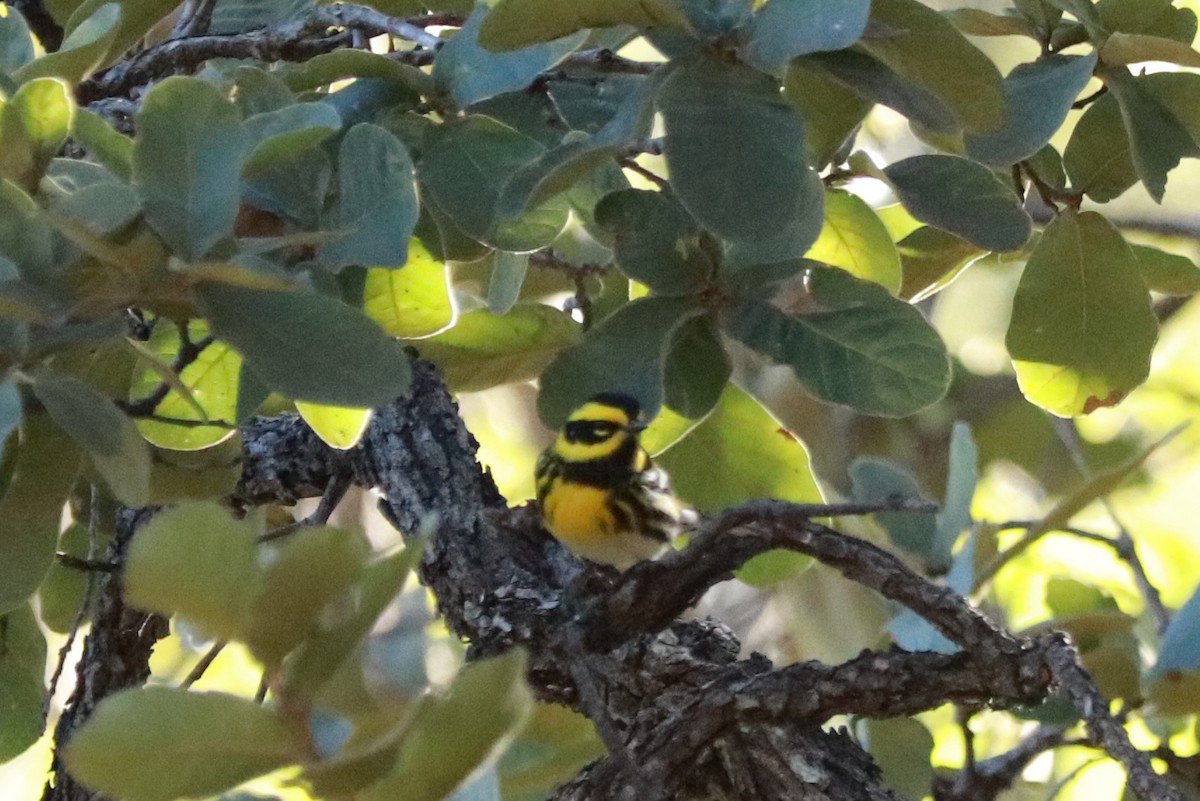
(1084, 102)
(649, 175)
(335, 490)
(86, 565)
(203, 665)
(1104, 729)
(194, 19)
(189, 351)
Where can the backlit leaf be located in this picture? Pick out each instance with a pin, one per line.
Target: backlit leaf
(1082, 328)
(22, 668)
(854, 239)
(411, 302)
(83, 50)
(34, 124)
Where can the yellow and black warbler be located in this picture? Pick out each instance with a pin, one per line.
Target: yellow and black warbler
(599, 493)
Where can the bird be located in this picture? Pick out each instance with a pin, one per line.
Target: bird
(598, 490)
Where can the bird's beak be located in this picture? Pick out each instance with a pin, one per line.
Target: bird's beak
(637, 426)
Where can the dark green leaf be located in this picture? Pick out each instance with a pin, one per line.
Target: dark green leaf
(22, 668)
(453, 735)
(295, 190)
(197, 561)
(202, 743)
(482, 350)
(519, 23)
(1097, 157)
(696, 369)
(589, 106)
(849, 341)
(656, 241)
(235, 16)
(789, 243)
(714, 19)
(876, 81)
(273, 137)
(735, 148)
(1158, 140)
(831, 112)
(47, 463)
(784, 29)
(742, 453)
(1038, 97)
(381, 83)
(1165, 272)
(1149, 17)
(377, 205)
(136, 19)
(109, 436)
(930, 259)
(1082, 328)
(470, 73)
(308, 347)
(877, 480)
(602, 361)
(259, 91)
(921, 45)
(962, 197)
(186, 162)
(464, 170)
(34, 124)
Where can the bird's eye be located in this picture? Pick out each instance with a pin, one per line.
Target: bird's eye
(602, 430)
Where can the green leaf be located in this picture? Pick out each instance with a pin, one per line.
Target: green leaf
(850, 342)
(930, 259)
(831, 112)
(962, 474)
(519, 23)
(186, 161)
(195, 560)
(922, 45)
(453, 735)
(552, 748)
(236, 16)
(319, 657)
(413, 302)
(735, 148)
(208, 474)
(16, 43)
(854, 239)
(482, 350)
(657, 242)
(976, 22)
(962, 197)
(25, 238)
(274, 137)
(469, 73)
(10, 411)
(109, 436)
(505, 280)
(465, 168)
(103, 143)
(1133, 48)
(1082, 328)
(338, 426)
(1167, 273)
(308, 347)
(601, 363)
(382, 82)
(209, 382)
(257, 91)
(877, 82)
(902, 748)
(137, 18)
(47, 462)
(34, 124)
(742, 453)
(83, 50)
(696, 369)
(1038, 97)
(377, 205)
(784, 29)
(22, 670)
(1097, 157)
(203, 743)
(1157, 138)
(300, 576)
(1149, 17)
(90, 197)
(876, 480)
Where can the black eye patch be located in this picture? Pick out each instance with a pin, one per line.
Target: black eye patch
(589, 432)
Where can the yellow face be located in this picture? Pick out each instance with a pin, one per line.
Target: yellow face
(596, 430)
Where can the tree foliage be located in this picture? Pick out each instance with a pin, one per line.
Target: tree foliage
(211, 211)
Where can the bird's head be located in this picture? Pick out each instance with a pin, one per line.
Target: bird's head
(600, 427)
